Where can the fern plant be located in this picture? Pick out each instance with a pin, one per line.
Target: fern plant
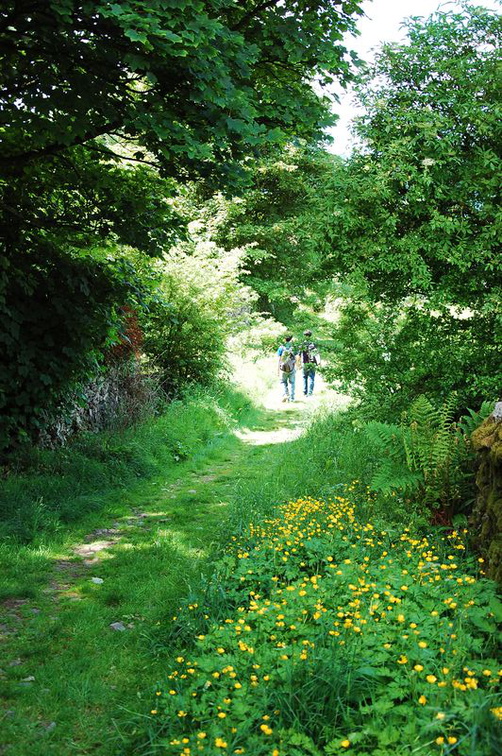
(424, 455)
(393, 471)
(468, 423)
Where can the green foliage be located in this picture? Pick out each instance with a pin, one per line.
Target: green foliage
(177, 89)
(84, 197)
(183, 342)
(46, 490)
(393, 472)
(46, 344)
(276, 221)
(387, 354)
(198, 85)
(472, 420)
(416, 211)
(199, 302)
(314, 599)
(412, 219)
(63, 281)
(425, 455)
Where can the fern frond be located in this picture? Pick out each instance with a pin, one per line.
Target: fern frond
(424, 454)
(392, 478)
(423, 412)
(387, 437)
(469, 423)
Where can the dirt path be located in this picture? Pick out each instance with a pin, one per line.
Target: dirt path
(85, 643)
(210, 485)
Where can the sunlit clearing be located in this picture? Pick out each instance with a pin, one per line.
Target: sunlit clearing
(265, 438)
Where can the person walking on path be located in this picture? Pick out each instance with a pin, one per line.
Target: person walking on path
(286, 368)
(310, 360)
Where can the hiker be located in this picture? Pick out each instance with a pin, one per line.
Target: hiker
(310, 360)
(286, 366)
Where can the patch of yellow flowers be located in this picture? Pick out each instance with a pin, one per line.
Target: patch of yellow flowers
(313, 583)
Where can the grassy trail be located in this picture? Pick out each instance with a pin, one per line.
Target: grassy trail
(72, 683)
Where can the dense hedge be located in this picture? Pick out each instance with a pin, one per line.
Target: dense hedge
(56, 312)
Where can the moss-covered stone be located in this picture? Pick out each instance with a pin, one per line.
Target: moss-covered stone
(487, 513)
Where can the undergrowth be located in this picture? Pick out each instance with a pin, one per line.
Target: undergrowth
(46, 490)
(333, 452)
(325, 633)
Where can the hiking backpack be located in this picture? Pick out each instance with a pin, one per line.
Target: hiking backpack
(287, 360)
(309, 354)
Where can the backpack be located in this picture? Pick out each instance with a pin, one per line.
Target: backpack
(287, 360)
(309, 354)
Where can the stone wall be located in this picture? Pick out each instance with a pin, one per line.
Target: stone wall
(121, 396)
(487, 513)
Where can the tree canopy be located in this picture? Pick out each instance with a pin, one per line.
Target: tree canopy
(412, 219)
(199, 85)
(121, 124)
(106, 110)
(418, 208)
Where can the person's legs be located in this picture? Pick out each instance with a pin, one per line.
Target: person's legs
(305, 381)
(284, 385)
(292, 386)
(311, 382)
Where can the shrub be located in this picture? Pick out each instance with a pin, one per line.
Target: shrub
(199, 302)
(184, 342)
(57, 311)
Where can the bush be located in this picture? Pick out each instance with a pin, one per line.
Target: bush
(184, 343)
(57, 310)
(388, 354)
(199, 302)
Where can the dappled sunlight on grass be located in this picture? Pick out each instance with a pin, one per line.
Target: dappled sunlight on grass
(177, 540)
(266, 438)
(149, 549)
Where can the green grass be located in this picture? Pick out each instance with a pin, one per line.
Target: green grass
(335, 637)
(171, 492)
(49, 490)
(91, 683)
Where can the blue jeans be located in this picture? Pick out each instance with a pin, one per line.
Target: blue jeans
(288, 385)
(308, 381)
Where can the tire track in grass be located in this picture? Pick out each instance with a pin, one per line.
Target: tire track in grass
(67, 672)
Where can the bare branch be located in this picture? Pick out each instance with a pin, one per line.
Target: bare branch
(112, 154)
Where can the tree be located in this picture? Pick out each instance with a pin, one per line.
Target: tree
(174, 89)
(422, 196)
(414, 216)
(198, 84)
(276, 221)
